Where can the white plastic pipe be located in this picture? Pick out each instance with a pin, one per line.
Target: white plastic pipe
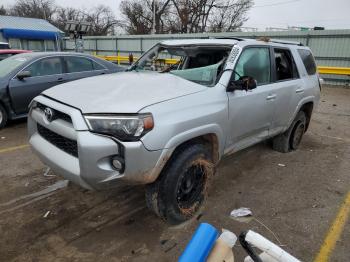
(269, 248)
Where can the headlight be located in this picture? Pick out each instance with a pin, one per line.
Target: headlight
(123, 127)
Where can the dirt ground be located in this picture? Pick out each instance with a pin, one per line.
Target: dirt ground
(297, 202)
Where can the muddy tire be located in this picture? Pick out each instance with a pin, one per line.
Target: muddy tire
(180, 191)
(3, 116)
(290, 139)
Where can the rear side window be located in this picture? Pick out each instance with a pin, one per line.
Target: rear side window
(308, 60)
(285, 67)
(78, 64)
(97, 66)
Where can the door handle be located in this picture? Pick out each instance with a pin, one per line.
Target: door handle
(60, 79)
(299, 90)
(271, 97)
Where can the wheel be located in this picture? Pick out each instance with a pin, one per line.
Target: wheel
(290, 139)
(3, 116)
(180, 191)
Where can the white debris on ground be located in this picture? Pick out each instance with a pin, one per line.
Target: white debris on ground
(46, 214)
(281, 165)
(241, 212)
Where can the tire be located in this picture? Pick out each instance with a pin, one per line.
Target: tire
(3, 117)
(290, 139)
(180, 190)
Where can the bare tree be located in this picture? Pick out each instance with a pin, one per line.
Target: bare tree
(184, 16)
(229, 15)
(3, 10)
(67, 14)
(44, 9)
(102, 20)
(138, 15)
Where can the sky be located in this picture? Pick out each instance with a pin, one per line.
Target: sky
(332, 14)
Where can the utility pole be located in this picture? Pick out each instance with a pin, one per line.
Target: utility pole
(154, 17)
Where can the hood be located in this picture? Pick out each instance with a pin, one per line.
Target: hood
(126, 92)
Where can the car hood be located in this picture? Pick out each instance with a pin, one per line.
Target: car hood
(126, 92)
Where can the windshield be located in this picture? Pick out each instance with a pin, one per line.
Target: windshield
(9, 64)
(199, 64)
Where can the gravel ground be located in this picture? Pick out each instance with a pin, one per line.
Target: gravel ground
(42, 219)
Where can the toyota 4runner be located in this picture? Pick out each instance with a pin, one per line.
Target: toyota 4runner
(174, 114)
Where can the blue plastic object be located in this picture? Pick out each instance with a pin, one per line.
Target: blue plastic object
(202, 242)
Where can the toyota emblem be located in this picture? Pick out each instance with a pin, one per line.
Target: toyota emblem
(48, 114)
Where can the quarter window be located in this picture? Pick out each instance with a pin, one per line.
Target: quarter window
(254, 62)
(45, 67)
(308, 60)
(97, 66)
(79, 64)
(284, 65)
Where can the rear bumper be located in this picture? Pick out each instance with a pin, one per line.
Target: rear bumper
(92, 168)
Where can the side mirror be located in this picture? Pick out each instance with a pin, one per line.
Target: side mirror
(243, 83)
(23, 74)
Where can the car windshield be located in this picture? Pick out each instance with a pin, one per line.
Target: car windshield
(9, 64)
(199, 64)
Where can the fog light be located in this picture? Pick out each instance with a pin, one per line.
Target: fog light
(118, 163)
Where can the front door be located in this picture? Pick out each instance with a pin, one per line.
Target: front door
(45, 73)
(251, 112)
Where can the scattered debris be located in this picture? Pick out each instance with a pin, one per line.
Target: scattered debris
(47, 214)
(334, 104)
(241, 212)
(47, 171)
(26, 184)
(3, 137)
(282, 165)
(329, 127)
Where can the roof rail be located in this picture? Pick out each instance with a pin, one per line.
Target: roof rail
(228, 37)
(277, 41)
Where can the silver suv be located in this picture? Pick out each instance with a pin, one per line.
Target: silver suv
(174, 114)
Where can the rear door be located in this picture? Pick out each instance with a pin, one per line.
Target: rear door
(79, 67)
(288, 88)
(45, 73)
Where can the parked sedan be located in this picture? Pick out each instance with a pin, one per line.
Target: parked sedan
(5, 53)
(24, 76)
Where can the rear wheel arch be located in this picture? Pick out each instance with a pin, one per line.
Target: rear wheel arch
(307, 108)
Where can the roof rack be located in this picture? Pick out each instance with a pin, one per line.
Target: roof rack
(228, 37)
(277, 41)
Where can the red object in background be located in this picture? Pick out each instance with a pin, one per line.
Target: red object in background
(5, 53)
(13, 51)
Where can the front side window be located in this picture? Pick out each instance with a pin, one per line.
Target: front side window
(4, 56)
(201, 64)
(254, 62)
(78, 64)
(45, 67)
(10, 64)
(308, 60)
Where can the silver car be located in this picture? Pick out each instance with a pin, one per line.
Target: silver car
(177, 111)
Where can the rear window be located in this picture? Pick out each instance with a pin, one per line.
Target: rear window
(308, 60)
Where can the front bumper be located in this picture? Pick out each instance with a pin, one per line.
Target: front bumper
(91, 168)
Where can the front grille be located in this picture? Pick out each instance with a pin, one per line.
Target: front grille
(67, 145)
(57, 114)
